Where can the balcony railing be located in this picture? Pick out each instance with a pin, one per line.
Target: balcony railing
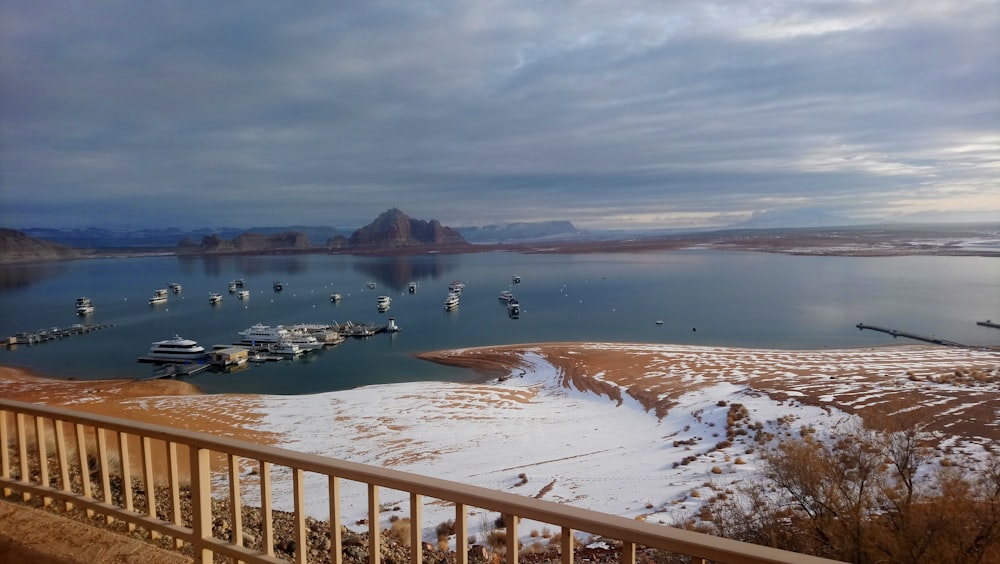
(61, 439)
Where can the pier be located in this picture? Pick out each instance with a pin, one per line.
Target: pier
(988, 323)
(897, 333)
(53, 334)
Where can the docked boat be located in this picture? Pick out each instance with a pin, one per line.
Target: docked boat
(286, 348)
(278, 286)
(177, 350)
(174, 287)
(451, 302)
(260, 333)
(214, 298)
(335, 297)
(303, 340)
(243, 294)
(506, 295)
(84, 307)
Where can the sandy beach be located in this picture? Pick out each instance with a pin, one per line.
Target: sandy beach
(626, 428)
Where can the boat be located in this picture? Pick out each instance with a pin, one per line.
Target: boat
(413, 287)
(371, 285)
(513, 308)
(384, 302)
(177, 350)
(174, 287)
(214, 298)
(157, 299)
(303, 340)
(456, 287)
(285, 348)
(451, 302)
(161, 292)
(260, 333)
(516, 279)
(84, 307)
(506, 295)
(232, 287)
(239, 283)
(243, 294)
(334, 297)
(278, 286)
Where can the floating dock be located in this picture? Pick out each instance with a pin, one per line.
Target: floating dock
(897, 333)
(988, 323)
(53, 333)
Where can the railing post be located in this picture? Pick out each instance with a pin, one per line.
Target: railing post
(628, 552)
(512, 543)
(145, 445)
(235, 501)
(336, 543)
(416, 527)
(299, 503)
(461, 534)
(81, 448)
(102, 458)
(266, 518)
(22, 450)
(43, 457)
(126, 467)
(566, 544)
(374, 527)
(173, 477)
(201, 504)
(5, 452)
(62, 460)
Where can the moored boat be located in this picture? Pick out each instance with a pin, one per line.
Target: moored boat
(157, 299)
(214, 298)
(177, 349)
(335, 297)
(243, 294)
(175, 287)
(506, 295)
(260, 333)
(413, 287)
(451, 302)
(513, 308)
(278, 286)
(286, 348)
(84, 306)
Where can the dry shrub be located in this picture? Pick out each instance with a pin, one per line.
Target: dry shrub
(497, 539)
(534, 533)
(400, 531)
(546, 533)
(716, 470)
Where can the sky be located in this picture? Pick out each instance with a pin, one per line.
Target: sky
(609, 114)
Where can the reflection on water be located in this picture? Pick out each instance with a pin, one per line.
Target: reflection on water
(246, 265)
(397, 272)
(17, 276)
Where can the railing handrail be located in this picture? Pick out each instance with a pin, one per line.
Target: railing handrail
(641, 533)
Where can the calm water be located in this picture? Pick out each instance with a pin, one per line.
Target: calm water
(702, 297)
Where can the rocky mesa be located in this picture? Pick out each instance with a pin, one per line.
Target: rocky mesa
(15, 246)
(395, 229)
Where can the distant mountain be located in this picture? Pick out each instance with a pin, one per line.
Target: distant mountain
(100, 238)
(518, 231)
(246, 243)
(794, 217)
(394, 229)
(316, 234)
(18, 246)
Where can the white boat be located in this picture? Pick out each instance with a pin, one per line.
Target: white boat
(177, 349)
(84, 307)
(214, 298)
(303, 340)
(513, 308)
(157, 299)
(451, 302)
(232, 287)
(175, 287)
(278, 286)
(516, 279)
(243, 294)
(456, 287)
(261, 333)
(285, 348)
(334, 297)
(161, 292)
(384, 301)
(506, 295)
(239, 283)
(413, 287)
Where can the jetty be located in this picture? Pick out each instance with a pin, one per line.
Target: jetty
(897, 333)
(53, 333)
(988, 323)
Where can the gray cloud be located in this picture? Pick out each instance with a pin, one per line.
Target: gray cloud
(606, 114)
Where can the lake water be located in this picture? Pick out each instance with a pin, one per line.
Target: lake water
(702, 297)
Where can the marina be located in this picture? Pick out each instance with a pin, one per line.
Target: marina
(53, 333)
(792, 302)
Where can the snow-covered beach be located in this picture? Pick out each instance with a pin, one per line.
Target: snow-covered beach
(642, 431)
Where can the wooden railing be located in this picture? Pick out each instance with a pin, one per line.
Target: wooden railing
(61, 439)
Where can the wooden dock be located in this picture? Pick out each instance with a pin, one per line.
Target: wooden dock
(897, 333)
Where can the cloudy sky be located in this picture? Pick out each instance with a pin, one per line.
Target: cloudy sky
(607, 113)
